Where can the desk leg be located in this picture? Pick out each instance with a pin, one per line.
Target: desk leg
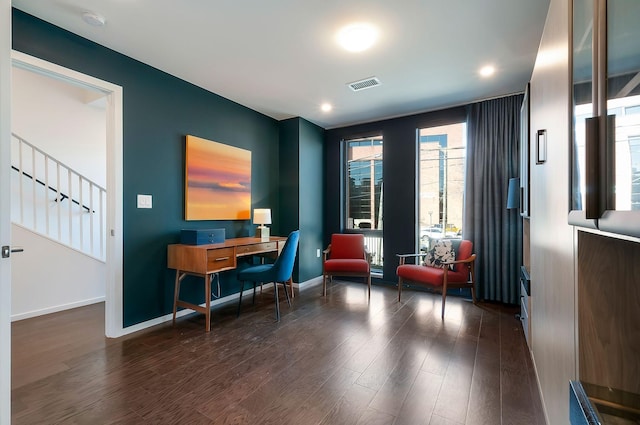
(207, 297)
(175, 295)
(290, 286)
(275, 291)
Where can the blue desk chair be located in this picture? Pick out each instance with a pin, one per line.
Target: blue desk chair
(278, 272)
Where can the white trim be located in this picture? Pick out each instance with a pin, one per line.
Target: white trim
(114, 310)
(5, 211)
(55, 309)
(169, 317)
(308, 283)
(113, 299)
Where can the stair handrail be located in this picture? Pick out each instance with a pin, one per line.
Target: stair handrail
(60, 196)
(22, 140)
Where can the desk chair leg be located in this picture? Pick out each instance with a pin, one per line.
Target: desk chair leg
(284, 285)
(275, 292)
(261, 283)
(240, 298)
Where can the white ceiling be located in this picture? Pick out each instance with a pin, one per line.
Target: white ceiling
(280, 57)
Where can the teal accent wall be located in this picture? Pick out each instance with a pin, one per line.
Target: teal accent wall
(159, 110)
(311, 171)
(301, 189)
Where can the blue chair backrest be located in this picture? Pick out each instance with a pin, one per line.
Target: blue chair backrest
(283, 267)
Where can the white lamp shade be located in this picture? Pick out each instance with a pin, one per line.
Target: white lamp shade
(262, 216)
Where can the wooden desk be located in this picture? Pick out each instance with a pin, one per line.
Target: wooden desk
(207, 260)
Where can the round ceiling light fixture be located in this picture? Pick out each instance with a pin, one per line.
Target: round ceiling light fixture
(93, 19)
(487, 71)
(326, 107)
(357, 37)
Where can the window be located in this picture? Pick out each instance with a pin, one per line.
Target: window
(634, 150)
(442, 152)
(363, 193)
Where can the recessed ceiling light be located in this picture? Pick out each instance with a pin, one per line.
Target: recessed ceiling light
(326, 107)
(357, 37)
(93, 19)
(487, 71)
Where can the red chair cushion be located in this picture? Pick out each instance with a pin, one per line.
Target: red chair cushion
(429, 275)
(464, 251)
(347, 246)
(346, 265)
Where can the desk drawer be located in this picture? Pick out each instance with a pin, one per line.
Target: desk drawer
(257, 248)
(220, 258)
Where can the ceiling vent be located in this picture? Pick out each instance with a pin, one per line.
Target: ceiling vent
(367, 83)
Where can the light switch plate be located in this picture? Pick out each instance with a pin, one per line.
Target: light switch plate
(145, 201)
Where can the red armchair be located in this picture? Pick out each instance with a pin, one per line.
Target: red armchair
(346, 256)
(445, 275)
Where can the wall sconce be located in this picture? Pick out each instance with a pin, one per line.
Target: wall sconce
(262, 216)
(541, 147)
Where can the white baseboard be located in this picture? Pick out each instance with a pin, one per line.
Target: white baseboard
(308, 283)
(55, 309)
(168, 317)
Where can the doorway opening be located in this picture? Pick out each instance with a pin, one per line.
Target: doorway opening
(112, 95)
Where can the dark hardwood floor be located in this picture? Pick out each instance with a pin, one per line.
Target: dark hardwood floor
(333, 360)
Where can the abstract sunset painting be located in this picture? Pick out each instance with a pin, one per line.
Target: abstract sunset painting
(217, 181)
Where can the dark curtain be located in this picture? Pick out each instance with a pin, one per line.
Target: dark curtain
(493, 156)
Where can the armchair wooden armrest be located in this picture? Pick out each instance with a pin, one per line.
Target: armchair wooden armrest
(403, 257)
(326, 253)
(471, 259)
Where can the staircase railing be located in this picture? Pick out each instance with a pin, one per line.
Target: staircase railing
(54, 200)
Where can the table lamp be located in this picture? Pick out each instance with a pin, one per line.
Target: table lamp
(262, 216)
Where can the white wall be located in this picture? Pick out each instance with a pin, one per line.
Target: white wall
(55, 116)
(49, 277)
(552, 313)
(66, 121)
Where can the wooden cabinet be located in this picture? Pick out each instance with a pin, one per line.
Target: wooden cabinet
(606, 116)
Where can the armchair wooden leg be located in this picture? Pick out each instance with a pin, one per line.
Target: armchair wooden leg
(444, 293)
(473, 284)
(369, 285)
(444, 298)
(324, 285)
(399, 288)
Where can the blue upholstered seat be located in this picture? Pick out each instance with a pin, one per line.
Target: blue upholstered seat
(278, 272)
